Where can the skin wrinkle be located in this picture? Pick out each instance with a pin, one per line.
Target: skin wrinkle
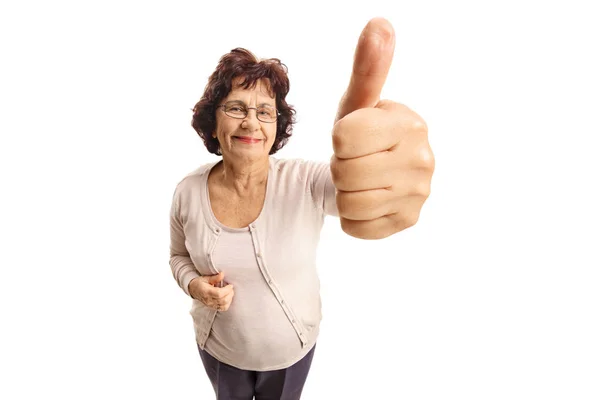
(361, 133)
(245, 166)
(382, 163)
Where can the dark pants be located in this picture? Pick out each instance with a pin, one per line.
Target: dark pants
(231, 383)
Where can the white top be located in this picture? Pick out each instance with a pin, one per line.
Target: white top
(275, 314)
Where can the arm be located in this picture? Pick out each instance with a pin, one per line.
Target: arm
(182, 267)
(322, 188)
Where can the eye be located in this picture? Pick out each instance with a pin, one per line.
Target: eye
(266, 111)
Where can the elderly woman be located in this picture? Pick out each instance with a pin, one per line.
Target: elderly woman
(245, 229)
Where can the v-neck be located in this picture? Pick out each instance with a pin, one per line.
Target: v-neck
(209, 210)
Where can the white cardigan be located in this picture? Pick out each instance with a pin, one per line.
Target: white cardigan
(285, 235)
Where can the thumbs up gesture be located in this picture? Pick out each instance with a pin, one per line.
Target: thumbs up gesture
(382, 164)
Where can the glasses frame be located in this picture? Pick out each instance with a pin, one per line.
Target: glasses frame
(248, 110)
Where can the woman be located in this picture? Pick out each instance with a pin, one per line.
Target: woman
(244, 230)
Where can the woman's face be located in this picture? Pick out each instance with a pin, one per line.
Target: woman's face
(246, 139)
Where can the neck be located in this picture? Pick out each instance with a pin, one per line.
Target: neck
(244, 178)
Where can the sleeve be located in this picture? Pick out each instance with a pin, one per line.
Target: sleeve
(182, 267)
(322, 188)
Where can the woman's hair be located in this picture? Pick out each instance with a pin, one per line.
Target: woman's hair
(241, 63)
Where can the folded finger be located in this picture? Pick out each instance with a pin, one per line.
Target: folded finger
(220, 293)
(374, 171)
(365, 204)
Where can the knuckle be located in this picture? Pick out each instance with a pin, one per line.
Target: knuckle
(356, 229)
(386, 103)
(335, 167)
(423, 188)
(401, 107)
(419, 125)
(406, 220)
(337, 137)
(344, 130)
(410, 219)
(348, 227)
(344, 205)
(424, 158)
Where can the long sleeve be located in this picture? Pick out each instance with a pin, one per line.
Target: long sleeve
(322, 187)
(181, 264)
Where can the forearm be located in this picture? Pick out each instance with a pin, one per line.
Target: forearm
(182, 266)
(184, 271)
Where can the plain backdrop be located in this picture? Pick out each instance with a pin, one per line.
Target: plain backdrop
(494, 294)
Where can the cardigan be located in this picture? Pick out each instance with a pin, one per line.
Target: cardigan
(285, 236)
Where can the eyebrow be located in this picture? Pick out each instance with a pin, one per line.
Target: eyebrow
(261, 104)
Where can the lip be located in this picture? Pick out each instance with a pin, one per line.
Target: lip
(247, 139)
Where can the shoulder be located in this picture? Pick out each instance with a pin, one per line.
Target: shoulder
(192, 180)
(297, 168)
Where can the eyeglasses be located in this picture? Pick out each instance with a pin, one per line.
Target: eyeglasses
(237, 109)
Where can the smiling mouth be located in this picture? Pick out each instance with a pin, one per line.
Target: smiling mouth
(246, 139)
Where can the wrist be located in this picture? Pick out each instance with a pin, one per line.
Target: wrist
(192, 286)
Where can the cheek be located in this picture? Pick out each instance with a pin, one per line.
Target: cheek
(272, 132)
(223, 128)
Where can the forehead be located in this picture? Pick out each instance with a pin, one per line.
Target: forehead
(262, 88)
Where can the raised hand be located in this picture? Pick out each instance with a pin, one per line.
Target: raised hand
(382, 164)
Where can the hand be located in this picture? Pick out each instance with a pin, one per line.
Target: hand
(382, 164)
(204, 289)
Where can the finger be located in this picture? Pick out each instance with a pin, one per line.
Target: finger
(215, 302)
(369, 130)
(385, 226)
(372, 60)
(214, 292)
(366, 204)
(214, 279)
(375, 171)
(223, 292)
(227, 301)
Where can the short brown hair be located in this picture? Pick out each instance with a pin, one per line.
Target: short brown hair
(241, 63)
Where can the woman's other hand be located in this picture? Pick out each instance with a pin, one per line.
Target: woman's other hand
(205, 289)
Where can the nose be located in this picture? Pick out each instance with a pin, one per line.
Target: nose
(251, 121)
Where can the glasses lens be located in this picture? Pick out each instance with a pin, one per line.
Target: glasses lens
(235, 110)
(266, 114)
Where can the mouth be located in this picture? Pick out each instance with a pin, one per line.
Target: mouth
(247, 139)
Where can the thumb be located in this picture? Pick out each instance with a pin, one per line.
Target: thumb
(214, 279)
(372, 60)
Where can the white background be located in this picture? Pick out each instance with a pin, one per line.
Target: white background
(494, 294)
